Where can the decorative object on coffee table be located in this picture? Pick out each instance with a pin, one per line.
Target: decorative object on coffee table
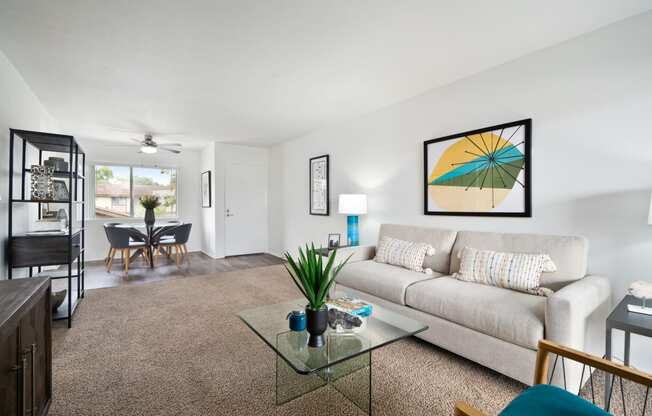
(150, 202)
(41, 182)
(319, 187)
(352, 205)
(297, 320)
(484, 172)
(314, 280)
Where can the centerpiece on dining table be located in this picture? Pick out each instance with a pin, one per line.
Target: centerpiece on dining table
(150, 202)
(314, 280)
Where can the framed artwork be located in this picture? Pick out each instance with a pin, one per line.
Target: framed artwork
(333, 240)
(319, 193)
(484, 172)
(60, 190)
(206, 189)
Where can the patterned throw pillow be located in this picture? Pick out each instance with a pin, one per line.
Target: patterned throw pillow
(517, 271)
(402, 253)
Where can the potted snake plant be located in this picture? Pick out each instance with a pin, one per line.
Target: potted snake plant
(314, 279)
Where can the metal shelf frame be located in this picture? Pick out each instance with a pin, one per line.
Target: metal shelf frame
(55, 143)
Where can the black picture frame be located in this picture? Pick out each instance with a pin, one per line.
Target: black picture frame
(311, 164)
(206, 180)
(526, 125)
(330, 239)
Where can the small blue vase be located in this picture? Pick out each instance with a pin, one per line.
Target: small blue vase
(297, 320)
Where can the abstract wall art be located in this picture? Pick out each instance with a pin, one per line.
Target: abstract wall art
(319, 192)
(484, 172)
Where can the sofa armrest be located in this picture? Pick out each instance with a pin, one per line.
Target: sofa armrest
(576, 314)
(357, 253)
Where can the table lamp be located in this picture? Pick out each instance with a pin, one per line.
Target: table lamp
(352, 205)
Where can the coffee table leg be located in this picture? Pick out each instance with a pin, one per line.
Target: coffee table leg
(352, 379)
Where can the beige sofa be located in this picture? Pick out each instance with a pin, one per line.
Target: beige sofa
(495, 327)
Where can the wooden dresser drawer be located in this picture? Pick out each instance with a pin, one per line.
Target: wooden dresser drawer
(42, 250)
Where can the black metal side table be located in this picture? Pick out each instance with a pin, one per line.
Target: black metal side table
(325, 252)
(630, 323)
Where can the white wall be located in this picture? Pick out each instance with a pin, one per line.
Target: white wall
(189, 196)
(223, 155)
(19, 109)
(591, 104)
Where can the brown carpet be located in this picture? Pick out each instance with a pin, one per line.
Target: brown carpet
(177, 348)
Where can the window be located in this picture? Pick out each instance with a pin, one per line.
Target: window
(118, 188)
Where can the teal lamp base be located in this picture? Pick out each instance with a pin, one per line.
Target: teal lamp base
(352, 230)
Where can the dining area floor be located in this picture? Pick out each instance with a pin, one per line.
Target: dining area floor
(194, 264)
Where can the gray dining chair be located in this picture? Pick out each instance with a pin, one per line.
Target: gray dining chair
(177, 239)
(124, 240)
(107, 225)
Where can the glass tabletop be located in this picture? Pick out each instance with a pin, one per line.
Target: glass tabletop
(383, 327)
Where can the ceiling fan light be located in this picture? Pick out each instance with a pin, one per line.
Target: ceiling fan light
(148, 149)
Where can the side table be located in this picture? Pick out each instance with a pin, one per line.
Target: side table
(325, 251)
(630, 323)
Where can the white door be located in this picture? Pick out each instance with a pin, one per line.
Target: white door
(245, 209)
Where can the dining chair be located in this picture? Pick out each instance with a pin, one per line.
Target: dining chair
(107, 225)
(177, 239)
(124, 240)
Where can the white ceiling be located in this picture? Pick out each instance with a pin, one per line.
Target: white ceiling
(267, 70)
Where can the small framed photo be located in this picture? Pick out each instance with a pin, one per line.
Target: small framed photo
(333, 241)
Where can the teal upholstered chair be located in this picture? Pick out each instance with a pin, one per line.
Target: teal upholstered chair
(545, 400)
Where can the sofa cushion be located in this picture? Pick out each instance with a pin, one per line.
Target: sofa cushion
(440, 239)
(516, 271)
(383, 280)
(570, 254)
(406, 254)
(512, 316)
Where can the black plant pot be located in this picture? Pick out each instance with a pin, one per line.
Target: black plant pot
(149, 217)
(316, 326)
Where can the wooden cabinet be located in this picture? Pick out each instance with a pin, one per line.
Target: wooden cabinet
(25, 347)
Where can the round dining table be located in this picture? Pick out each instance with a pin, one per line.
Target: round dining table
(150, 236)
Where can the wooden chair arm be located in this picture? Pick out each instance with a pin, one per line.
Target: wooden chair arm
(464, 409)
(546, 347)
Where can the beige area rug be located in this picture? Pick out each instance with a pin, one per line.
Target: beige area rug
(177, 348)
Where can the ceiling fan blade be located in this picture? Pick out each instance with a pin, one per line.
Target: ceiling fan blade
(170, 150)
(122, 145)
(136, 140)
(169, 144)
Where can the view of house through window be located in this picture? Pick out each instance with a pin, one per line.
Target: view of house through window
(118, 189)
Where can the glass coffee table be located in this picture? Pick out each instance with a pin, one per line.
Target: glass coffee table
(343, 364)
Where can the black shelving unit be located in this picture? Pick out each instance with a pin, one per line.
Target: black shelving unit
(29, 250)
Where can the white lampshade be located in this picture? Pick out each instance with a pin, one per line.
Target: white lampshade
(353, 204)
(649, 215)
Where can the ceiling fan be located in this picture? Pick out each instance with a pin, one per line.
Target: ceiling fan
(148, 145)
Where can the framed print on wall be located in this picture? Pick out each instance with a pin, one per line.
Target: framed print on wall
(319, 192)
(484, 172)
(206, 189)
